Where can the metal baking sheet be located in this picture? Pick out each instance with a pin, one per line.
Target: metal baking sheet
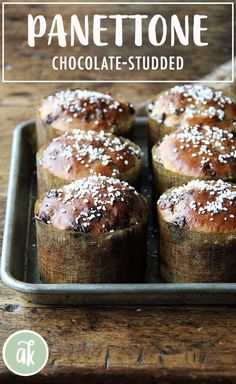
(19, 267)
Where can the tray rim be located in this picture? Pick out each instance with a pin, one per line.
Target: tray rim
(83, 289)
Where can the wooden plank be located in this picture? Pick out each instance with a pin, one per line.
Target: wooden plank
(199, 60)
(180, 340)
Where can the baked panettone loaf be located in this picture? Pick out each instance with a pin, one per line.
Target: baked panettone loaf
(197, 224)
(202, 152)
(85, 110)
(192, 105)
(78, 154)
(92, 231)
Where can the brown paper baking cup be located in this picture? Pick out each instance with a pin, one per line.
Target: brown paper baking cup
(189, 256)
(72, 257)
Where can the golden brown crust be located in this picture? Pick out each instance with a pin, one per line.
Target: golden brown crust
(198, 152)
(94, 205)
(193, 104)
(86, 110)
(203, 206)
(79, 154)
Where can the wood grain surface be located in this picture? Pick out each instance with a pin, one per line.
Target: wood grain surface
(113, 345)
(198, 60)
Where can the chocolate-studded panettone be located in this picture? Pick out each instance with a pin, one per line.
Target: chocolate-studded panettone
(78, 154)
(191, 105)
(85, 110)
(92, 230)
(197, 223)
(194, 152)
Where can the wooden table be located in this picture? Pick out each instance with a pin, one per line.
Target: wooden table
(98, 345)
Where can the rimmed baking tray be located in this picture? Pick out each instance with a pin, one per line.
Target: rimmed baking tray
(19, 267)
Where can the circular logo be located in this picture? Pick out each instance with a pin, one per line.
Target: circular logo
(25, 353)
